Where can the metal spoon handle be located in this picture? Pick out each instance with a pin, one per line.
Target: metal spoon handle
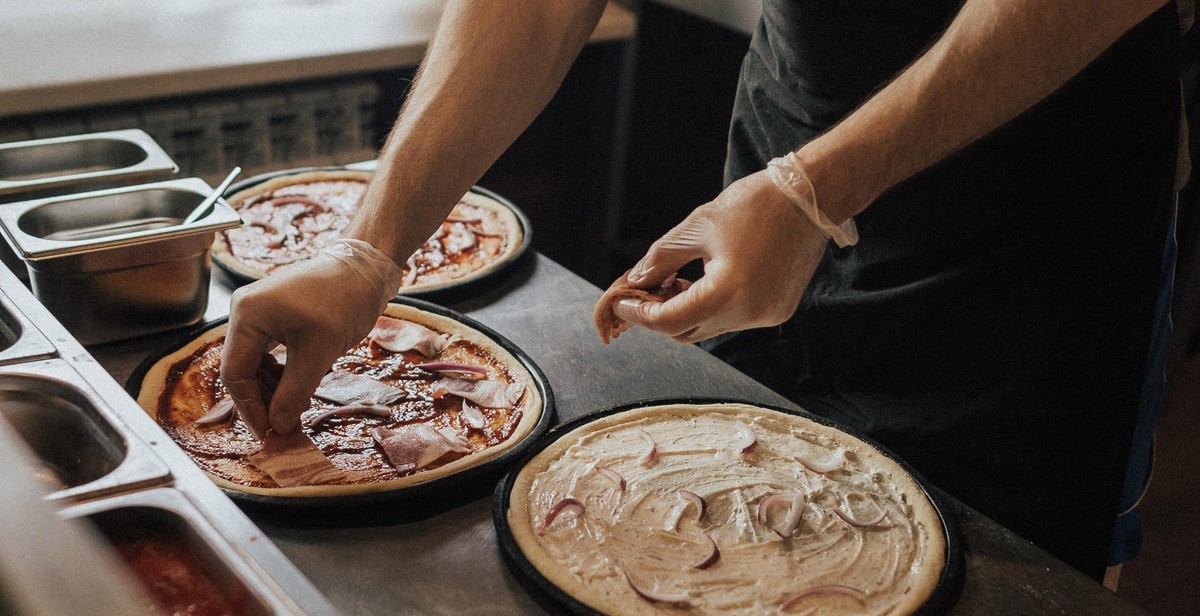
(204, 205)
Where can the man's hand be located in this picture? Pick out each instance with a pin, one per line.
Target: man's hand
(759, 252)
(317, 309)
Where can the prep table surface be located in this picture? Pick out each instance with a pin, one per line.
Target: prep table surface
(450, 563)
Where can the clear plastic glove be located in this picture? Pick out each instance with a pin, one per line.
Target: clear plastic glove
(317, 309)
(759, 252)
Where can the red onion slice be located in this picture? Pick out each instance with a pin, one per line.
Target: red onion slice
(221, 411)
(853, 522)
(651, 449)
(692, 497)
(787, 527)
(455, 369)
(559, 507)
(826, 589)
(767, 502)
(378, 410)
(834, 461)
(612, 476)
(463, 219)
(714, 554)
(652, 596)
(747, 440)
(472, 415)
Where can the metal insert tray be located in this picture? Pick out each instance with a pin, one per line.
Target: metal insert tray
(163, 519)
(118, 263)
(86, 450)
(71, 398)
(19, 339)
(34, 168)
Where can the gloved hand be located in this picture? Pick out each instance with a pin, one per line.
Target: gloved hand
(759, 252)
(316, 308)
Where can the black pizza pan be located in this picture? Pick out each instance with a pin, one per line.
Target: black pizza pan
(408, 503)
(557, 601)
(449, 292)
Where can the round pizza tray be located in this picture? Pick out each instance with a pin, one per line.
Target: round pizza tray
(411, 502)
(447, 292)
(558, 601)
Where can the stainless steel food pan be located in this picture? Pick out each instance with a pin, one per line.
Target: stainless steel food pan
(118, 263)
(20, 340)
(85, 450)
(52, 566)
(119, 157)
(162, 524)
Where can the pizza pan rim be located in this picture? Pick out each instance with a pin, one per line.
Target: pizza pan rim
(340, 506)
(546, 593)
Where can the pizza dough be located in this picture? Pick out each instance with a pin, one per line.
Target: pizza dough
(797, 517)
(185, 385)
(290, 218)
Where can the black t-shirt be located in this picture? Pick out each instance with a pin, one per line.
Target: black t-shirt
(992, 325)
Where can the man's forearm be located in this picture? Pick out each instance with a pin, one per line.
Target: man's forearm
(490, 69)
(997, 59)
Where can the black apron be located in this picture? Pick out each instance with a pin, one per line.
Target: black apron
(993, 323)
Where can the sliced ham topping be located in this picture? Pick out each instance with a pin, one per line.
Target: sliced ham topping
(399, 336)
(349, 389)
(608, 324)
(293, 460)
(457, 443)
(416, 446)
(486, 393)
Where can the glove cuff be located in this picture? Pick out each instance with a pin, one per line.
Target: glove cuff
(370, 263)
(789, 177)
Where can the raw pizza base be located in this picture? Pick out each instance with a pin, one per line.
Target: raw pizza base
(597, 576)
(532, 407)
(513, 229)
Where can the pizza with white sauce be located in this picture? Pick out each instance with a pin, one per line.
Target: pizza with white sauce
(291, 217)
(422, 397)
(725, 508)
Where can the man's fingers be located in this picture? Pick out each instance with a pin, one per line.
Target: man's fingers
(240, 358)
(301, 376)
(678, 247)
(680, 315)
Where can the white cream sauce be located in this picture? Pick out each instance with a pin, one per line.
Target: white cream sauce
(652, 532)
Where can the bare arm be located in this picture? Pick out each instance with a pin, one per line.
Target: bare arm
(997, 59)
(491, 68)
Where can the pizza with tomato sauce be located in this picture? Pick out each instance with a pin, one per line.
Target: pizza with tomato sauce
(290, 218)
(422, 397)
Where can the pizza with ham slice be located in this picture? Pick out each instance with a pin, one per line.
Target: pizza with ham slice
(422, 397)
(290, 218)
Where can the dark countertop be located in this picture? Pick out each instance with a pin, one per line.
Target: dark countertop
(450, 564)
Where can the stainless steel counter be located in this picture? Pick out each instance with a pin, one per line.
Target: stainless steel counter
(450, 564)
